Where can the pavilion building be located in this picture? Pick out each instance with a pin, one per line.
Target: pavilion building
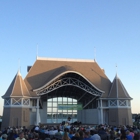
(51, 83)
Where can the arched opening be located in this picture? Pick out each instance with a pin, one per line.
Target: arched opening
(69, 88)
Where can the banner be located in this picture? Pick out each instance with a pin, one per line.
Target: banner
(70, 107)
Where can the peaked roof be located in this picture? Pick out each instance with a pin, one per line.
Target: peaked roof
(44, 70)
(17, 88)
(118, 90)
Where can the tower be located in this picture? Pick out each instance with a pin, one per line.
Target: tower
(119, 103)
(16, 103)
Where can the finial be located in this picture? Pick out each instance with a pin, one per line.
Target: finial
(116, 69)
(19, 67)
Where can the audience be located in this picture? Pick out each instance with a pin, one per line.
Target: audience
(73, 132)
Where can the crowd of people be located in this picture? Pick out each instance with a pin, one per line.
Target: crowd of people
(71, 132)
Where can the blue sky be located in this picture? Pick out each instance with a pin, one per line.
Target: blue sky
(72, 29)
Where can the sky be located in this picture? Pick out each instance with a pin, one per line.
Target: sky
(105, 30)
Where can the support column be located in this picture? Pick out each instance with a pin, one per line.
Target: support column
(99, 116)
(37, 112)
(101, 112)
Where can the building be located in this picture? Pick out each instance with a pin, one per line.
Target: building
(51, 83)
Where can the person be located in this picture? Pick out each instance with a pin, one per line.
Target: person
(65, 136)
(132, 133)
(36, 129)
(136, 135)
(4, 137)
(94, 135)
(76, 136)
(128, 136)
(108, 133)
(58, 134)
(112, 134)
(102, 133)
(81, 134)
(123, 133)
(69, 120)
(118, 136)
(21, 136)
(87, 136)
(70, 134)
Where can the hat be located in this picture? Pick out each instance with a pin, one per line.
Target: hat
(4, 136)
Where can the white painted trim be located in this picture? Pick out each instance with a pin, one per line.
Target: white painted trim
(115, 98)
(66, 73)
(21, 97)
(16, 106)
(125, 107)
(25, 101)
(99, 116)
(101, 109)
(37, 112)
(69, 81)
(65, 59)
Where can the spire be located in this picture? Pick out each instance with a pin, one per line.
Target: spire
(17, 87)
(116, 69)
(18, 73)
(117, 89)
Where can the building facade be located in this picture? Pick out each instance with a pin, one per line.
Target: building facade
(52, 82)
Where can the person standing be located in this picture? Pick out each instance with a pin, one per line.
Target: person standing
(128, 136)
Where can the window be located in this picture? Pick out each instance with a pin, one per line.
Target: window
(56, 114)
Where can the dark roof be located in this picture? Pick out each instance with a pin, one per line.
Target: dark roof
(45, 70)
(118, 90)
(17, 88)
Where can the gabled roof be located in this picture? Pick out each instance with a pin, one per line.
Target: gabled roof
(44, 70)
(118, 90)
(17, 88)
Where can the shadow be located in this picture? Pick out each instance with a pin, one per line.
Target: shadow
(39, 80)
(103, 83)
